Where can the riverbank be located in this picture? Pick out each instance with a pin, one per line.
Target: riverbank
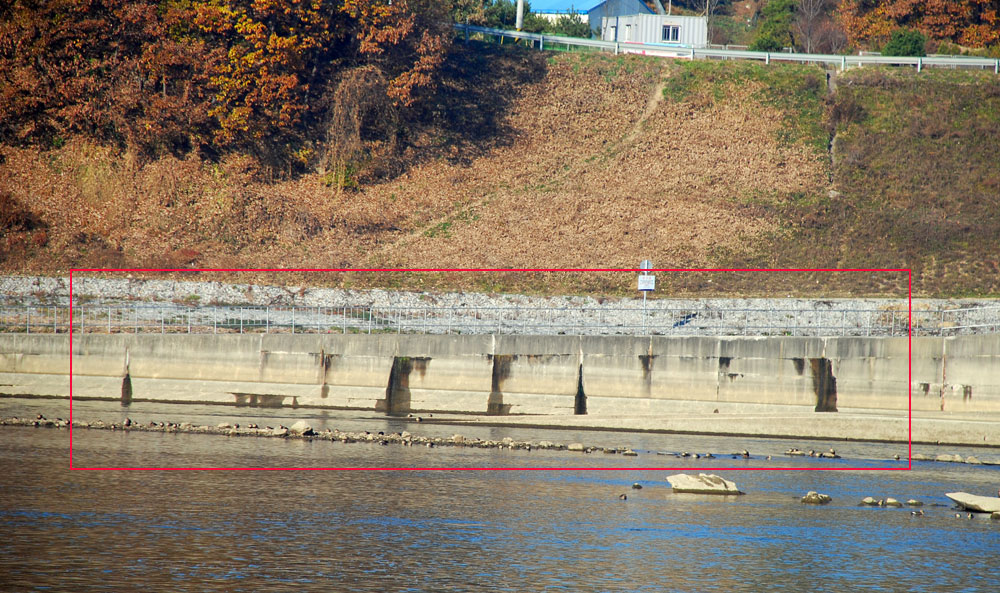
(425, 432)
(978, 430)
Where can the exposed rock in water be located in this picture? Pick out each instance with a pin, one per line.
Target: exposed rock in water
(812, 497)
(892, 502)
(302, 428)
(973, 502)
(702, 484)
(869, 501)
(574, 447)
(914, 503)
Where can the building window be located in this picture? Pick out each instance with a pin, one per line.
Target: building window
(671, 33)
(614, 33)
(628, 32)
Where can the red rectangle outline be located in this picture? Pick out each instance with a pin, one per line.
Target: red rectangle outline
(909, 387)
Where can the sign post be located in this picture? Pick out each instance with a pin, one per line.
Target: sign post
(647, 283)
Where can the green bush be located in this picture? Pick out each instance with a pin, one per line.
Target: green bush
(949, 49)
(765, 42)
(906, 42)
(570, 25)
(776, 20)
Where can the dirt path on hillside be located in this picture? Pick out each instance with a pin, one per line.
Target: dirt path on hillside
(605, 171)
(655, 98)
(572, 168)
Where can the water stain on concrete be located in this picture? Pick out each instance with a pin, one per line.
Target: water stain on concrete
(580, 403)
(824, 384)
(126, 390)
(397, 392)
(646, 360)
(501, 371)
(325, 362)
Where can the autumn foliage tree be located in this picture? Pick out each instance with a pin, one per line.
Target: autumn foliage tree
(973, 23)
(214, 75)
(117, 70)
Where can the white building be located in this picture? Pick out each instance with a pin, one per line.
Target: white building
(590, 11)
(670, 30)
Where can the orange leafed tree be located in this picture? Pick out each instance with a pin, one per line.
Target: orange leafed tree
(219, 75)
(282, 54)
(407, 37)
(262, 85)
(974, 23)
(118, 70)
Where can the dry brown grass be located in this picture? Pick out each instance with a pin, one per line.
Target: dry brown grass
(567, 161)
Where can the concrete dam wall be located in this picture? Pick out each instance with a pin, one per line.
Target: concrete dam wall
(485, 374)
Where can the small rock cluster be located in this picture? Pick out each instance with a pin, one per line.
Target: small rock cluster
(869, 501)
(796, 452)
(302, 430)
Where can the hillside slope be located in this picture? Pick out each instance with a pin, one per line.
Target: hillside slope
(536, 159)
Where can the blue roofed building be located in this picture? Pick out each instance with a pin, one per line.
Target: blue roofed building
(590, 11)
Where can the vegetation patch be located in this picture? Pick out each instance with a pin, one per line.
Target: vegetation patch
(799, 91)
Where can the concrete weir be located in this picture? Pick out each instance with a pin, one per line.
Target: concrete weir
(507, 375)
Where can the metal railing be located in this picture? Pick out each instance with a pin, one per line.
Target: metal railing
(842, 62)
(617, 319)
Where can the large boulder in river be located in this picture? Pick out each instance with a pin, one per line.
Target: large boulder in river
(972, 502)
(302, 428)
(702, 484)
(812, 497)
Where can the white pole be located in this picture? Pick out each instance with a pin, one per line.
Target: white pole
(520, 15)
(644, 312)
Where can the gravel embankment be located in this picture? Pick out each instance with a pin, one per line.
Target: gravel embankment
(480, 313)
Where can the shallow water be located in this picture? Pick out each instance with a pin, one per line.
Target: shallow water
(461, 530)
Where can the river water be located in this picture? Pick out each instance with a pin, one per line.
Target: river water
(113, 530)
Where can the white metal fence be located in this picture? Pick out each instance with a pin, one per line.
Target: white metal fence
(842, 62)
(623, 319)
